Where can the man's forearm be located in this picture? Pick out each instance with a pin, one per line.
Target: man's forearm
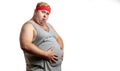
(60, 42)
(32, 49)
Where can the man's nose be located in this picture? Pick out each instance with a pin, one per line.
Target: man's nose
(45, 16)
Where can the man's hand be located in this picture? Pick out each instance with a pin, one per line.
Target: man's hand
(51, 57)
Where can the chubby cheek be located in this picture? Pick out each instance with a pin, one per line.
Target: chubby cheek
(47, 17)
(40, 15)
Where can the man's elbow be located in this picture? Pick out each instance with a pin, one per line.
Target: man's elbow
(24, 46)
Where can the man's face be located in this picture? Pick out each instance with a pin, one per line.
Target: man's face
(43, 15)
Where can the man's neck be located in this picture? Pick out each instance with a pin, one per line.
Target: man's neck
(38, 22)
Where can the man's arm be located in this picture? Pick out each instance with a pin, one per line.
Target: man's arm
(60, 42)
(26, 37)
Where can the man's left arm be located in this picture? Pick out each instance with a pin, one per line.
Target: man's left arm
(60, 42)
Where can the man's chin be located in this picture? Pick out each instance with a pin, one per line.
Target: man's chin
(43, 22)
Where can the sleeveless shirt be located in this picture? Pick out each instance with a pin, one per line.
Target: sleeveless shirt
(44, 40)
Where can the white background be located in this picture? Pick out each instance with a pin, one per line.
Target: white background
(90, 30)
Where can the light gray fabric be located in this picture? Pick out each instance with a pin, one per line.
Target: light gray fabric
(44, 40)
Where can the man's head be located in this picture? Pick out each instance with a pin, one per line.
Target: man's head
(42, 12)
(43, 6)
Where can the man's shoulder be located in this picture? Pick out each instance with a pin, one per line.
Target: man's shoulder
(27, 24)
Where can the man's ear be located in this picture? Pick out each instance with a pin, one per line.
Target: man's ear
(35, 12)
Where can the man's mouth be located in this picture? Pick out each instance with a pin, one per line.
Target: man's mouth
(44, 19)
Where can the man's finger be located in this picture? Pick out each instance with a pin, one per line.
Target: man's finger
(50, 61)
(55, 55)
(56, 58)
(50, 49)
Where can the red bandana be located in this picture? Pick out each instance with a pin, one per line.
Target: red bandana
(43, 8)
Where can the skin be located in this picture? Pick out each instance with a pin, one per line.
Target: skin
(28, 34)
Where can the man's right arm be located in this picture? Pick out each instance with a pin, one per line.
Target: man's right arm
(26, 37)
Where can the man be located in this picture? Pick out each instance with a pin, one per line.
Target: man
(41, 44)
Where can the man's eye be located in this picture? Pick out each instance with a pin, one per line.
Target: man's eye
(47, 13)
(43, 11)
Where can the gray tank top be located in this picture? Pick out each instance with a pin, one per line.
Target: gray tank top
(44, 40)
